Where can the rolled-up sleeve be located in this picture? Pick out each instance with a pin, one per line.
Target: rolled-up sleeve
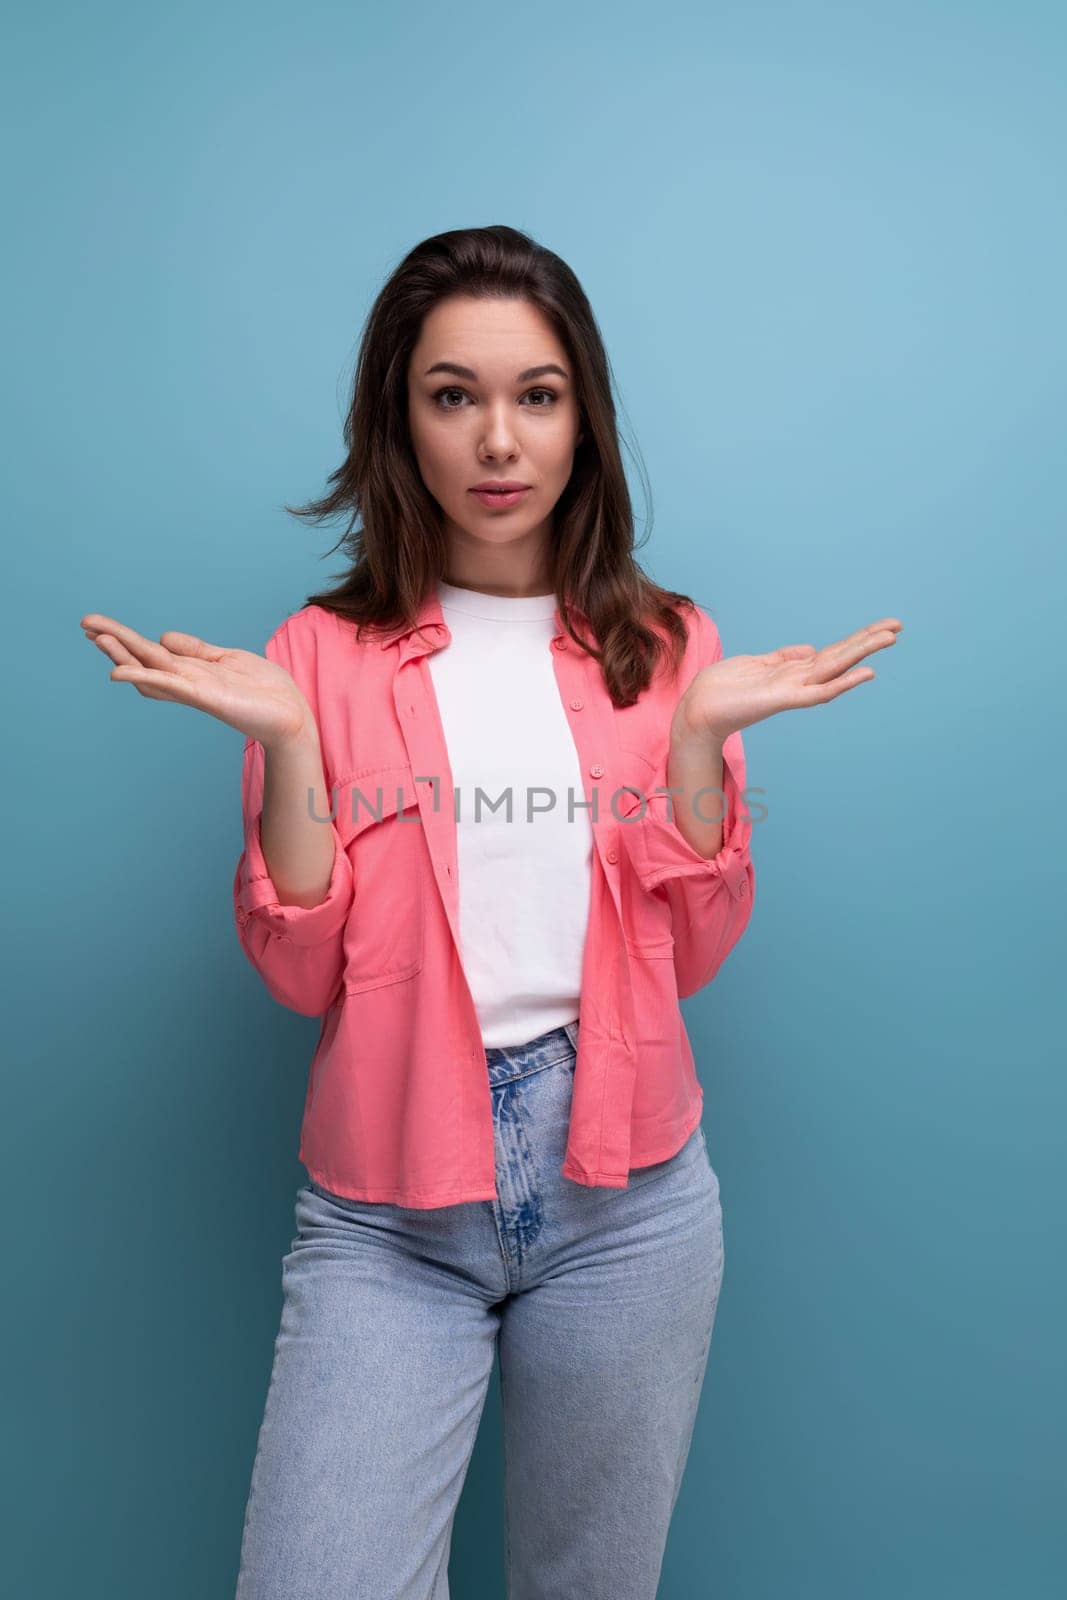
(298, 951)
(710, 897)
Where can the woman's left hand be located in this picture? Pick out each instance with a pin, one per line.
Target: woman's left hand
(739, 690)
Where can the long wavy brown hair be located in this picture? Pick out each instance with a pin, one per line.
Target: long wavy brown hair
(398, 551)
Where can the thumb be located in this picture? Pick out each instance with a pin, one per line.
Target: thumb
(187, 644)
(793, 652)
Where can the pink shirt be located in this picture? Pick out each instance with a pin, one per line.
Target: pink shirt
(398, 1105)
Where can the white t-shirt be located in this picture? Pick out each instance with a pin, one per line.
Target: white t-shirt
(524, 883)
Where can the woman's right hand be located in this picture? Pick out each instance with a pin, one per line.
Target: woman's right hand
(255, 696)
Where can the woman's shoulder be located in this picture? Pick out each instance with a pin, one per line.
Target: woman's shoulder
(337, 673)
(320, 650)
(309, 622)
(318, 628)
(702, 635)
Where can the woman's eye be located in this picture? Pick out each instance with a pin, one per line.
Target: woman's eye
(549, 398)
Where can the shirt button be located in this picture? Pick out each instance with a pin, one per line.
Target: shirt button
(613, 855)
(576, 705)
(596, 771)
(742, 887)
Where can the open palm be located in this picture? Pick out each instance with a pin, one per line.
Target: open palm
(255, 696)
(739, 690)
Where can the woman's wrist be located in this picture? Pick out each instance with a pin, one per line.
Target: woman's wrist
(302, 740)
(687, 730)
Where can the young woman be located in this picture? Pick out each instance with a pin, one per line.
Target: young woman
(479, 844)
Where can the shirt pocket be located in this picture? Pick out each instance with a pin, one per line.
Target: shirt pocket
(647, 922)
(380, 825)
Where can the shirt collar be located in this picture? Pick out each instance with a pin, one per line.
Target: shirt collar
(430, 622)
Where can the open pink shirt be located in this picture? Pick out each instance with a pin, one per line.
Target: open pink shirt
(398, 1104)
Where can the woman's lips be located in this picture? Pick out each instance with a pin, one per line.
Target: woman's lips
(498, 500)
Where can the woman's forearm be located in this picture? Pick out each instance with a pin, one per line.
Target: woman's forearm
(298, 848)
(694, 764)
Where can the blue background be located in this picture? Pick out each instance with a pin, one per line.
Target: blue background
(826, 247)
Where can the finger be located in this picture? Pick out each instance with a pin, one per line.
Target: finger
(158, 685)
(153, 694)
(818, 694)
(117, 652)
(887, 624)
(122, 657)
(187, 644)
(893, 623)
(98, 623)
(836, 658)
(146, 650)
(171, 639)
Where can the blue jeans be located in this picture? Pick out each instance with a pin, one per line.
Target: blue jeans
(600, 1303)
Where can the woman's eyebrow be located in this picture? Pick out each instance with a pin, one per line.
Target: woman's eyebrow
(467, 372)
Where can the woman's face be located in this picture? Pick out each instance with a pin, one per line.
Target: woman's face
(491, 397)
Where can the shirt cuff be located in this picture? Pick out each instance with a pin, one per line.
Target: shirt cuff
(257, 896)
(658, 850)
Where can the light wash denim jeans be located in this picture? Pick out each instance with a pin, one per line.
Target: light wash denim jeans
(601, 1304)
